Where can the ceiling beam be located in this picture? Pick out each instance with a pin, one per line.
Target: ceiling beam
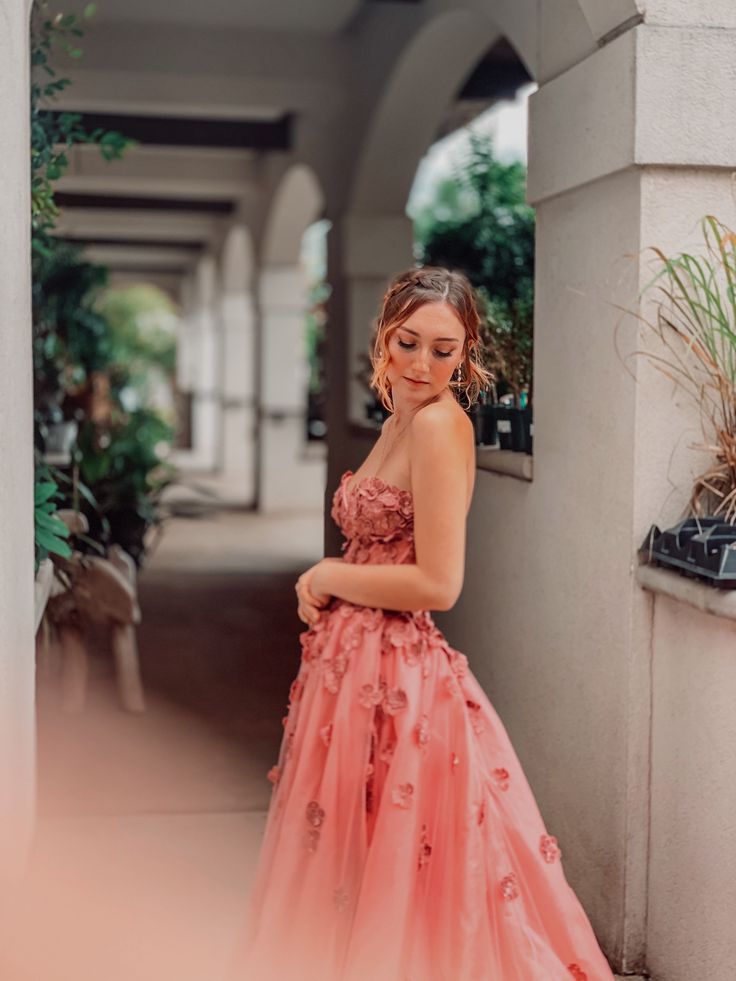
(176, 261)
(180, 131)
(162, 172)
(182, 228)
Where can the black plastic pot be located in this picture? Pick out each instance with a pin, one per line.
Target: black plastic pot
(128, 529)
(702, 548)
(510, 425)
(528, 424)
(488, 424)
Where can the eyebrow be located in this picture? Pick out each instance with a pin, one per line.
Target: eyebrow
(452, 340)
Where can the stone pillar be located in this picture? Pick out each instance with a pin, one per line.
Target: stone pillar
(239, 424)
(205, 332)
(376, 248)
(17, 659)
(289, 478)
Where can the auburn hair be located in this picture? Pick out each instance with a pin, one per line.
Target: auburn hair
(411, 290)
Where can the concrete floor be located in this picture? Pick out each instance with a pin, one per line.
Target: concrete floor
(149, 825)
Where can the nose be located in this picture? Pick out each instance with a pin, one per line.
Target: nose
(421, 362)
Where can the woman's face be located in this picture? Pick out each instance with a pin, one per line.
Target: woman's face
(424, 351)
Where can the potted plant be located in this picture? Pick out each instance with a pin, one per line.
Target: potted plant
(695, 324)
(507, 337)
(123, 465)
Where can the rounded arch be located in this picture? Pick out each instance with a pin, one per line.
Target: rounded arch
(428, 73)
(297, 202)
(439, 57)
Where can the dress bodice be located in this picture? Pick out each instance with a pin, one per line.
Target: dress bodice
(377, 519)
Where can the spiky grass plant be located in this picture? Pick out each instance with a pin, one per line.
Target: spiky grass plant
(696, 325)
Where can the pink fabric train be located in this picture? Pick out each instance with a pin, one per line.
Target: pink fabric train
(403, 842)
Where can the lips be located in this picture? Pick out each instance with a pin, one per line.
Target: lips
(415, 381)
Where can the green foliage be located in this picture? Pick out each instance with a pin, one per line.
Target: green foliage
(121, 463)
(139, 318)
(316, 334)
(50, 533)
(480, 223)
(74, 342)
(71, 339)
(54, 134)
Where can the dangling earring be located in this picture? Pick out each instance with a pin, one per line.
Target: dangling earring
(459, 372)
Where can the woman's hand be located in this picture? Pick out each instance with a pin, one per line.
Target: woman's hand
(310, 596)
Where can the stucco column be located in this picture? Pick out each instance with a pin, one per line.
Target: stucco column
(17, 659)
(239, 424)
(288, 479)
(204, 368)
(375, 249)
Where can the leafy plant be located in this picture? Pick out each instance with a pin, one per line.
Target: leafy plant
(71, 339)
(121, 463)
(53, 134)
(81, 359)
(50, 533)
(480, 223)
(696, 325)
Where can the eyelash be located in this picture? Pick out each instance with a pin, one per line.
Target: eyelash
(440, 354)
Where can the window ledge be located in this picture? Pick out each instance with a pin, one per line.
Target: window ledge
(708, 599)
(507, 462)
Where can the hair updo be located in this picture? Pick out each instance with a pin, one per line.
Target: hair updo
(411, 290)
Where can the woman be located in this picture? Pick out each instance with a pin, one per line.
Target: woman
(403, 842)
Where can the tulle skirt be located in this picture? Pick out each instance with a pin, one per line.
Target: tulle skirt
(403, 842)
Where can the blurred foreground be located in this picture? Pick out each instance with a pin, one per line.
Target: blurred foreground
(149, 825)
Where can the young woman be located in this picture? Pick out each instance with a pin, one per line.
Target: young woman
(403, 842)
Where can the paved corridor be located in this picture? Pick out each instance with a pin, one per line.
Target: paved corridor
(148, 825)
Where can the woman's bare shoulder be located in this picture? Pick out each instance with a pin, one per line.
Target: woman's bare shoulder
(444, 421)
(444, 427)
(444, 415)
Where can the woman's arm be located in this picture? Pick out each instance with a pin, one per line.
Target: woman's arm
(438, 448)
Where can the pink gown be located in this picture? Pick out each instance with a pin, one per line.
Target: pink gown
(403, 842)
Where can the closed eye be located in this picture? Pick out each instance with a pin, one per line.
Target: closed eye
(408, 347)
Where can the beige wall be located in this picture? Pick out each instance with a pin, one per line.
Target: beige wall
(546, 609)
(692, 907)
